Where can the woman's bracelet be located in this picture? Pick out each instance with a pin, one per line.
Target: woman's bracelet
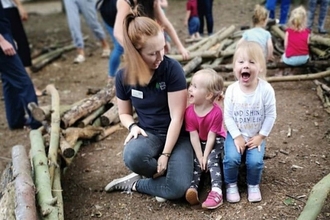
(130, 126)
(166, 154)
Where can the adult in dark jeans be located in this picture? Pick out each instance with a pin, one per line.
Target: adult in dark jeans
(205, 10)
(18, 89)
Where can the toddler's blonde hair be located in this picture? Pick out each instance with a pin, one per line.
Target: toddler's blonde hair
(260, 15)
(298, 19)
(254, 52)
(213, 82)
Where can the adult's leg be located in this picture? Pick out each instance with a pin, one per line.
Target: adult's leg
(178, 176)
(311, 12)
(285, 8)
(255, 164)
(116, 53)
(271, 6)
(73, 18)
(323, 14)
(232, 160)
(18, 90)
(209, 16)
(89, 12)
(201, 14)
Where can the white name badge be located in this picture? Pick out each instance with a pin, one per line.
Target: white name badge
(137, 94)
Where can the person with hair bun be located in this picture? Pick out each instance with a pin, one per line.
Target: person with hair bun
(258, 33)
(157, 146)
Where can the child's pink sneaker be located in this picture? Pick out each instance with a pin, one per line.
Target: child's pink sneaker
(213, 200)
(254, 194)
(232, 193)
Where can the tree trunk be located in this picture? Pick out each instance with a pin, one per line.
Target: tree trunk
(54, 131)
(316, 199)
(46, 202)
(111, 116)
(88, 106)
(24, 186)
(192, 65)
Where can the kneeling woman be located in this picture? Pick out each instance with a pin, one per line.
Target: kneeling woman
(157, 146)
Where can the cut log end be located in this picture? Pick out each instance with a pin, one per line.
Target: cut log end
(68, 153)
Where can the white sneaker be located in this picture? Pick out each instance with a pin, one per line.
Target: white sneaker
(160, 199)
(79, 59)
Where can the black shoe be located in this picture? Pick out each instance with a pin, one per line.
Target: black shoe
(323, 31)
(123, 184)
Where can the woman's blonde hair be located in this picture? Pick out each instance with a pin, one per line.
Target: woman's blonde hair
(298, 19)
(260, 15)
(137, 30)
(254, 51)
(213, 82)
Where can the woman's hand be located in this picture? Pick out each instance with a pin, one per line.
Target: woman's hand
(135, 131)
(162, 163)
(6, 47)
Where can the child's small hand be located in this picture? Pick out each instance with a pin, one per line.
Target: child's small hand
(255, 142)
(240, 144)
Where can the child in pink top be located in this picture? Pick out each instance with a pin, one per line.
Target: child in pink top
(204, 121)
(296, 39)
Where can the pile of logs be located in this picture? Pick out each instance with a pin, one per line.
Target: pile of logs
(64, 127)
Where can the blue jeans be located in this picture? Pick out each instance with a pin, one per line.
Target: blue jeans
(18, 90)
(312, 4)
(285, 8)
(295, 60)
(117, 51)
(141, 155)
(193, 25)
(88, 10)
(205, 10)
(232, 160)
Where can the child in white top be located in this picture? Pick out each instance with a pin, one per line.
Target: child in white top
(249, 115)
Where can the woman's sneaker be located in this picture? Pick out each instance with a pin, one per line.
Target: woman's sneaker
(213, 200)
(79, 59)
(254, 194)
(123, 184)
(232, 193)
(192, 196)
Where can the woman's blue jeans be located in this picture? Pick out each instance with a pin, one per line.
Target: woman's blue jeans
(232, 160)
(117, 51)
(141, 155)
(285, 8)
(312, 4)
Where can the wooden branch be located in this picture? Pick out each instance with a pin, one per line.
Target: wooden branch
(7, 202)
(66, 149)
(86, 121)
(191, 65)
(223, 35)
(54, 131)
(72, 134)
(109, 131)
(57, 193)
(76, 148)
(203, 54)
(111, 116)
(203, 41)
(316, 199)
(309, 76)
(44, 59)
(46, 202)
(24, 186)
(88, 106)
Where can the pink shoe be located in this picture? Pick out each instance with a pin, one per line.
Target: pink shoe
(232, 193)
(192, 196)
(213, 200)
(254, 194)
